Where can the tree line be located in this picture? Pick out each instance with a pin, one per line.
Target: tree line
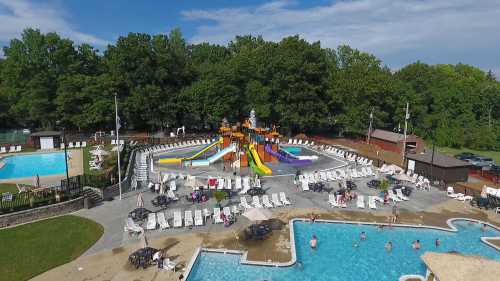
(163, 82)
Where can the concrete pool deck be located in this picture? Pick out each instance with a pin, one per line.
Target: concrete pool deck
(111, 264)
(75, 167)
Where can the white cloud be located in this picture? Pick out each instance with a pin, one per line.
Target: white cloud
(444, 31)
(16, 15)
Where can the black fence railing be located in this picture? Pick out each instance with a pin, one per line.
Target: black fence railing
(43, 196)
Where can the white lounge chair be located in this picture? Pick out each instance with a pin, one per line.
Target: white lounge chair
(151, 223)
(77, 144)
(173, 185)
(393, 196)
(228, 184)
(198, 218)
(132, 227)
(188, 218)
(244, 204)
(3, 150)
(236, 210)
(361, 202)
(84, 144)
(226, 211)
(220, 183)
(332, 200)
(290, 141)
(371, 202)
(246, 185)
(162, 221)
(177, 219)
(70, 145)
(206, 214)
(283, 199)
(275, 200)
(171, 195)
(237, 183)
(299, 142)
(400, 194)
(12, 149)
(451, 192)
(256, 202)
(18, 148)
(169, 265)
(305, 185)
(266, 202)
(216, 217)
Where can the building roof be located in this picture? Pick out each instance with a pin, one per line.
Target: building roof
(46, 134)
(440, 159)
(456, 267)
(391, 136)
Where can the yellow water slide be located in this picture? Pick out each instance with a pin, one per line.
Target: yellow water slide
(258, 162)
(196, 155)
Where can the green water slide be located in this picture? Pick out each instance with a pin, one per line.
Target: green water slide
(251, 163)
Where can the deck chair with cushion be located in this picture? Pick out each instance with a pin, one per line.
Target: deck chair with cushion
(177, 219)
(256, 202)
(162, 221)
(266, 202)
(151, 223)
(244, 204)
(198, 218)
(188, 218)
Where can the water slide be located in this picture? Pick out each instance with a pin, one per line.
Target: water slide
(211, 159)
(256, 159)
(197, 154)
(285, 157)
(252, 164)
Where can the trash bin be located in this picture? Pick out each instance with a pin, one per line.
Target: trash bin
(87, 203)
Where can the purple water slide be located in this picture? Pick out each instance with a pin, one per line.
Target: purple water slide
(285, 158)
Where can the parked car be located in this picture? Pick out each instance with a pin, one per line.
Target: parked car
(464, 156)
(481, 161)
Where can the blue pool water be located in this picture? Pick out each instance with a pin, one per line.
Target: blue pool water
(336, 259)
(30, 165)
(296, 150)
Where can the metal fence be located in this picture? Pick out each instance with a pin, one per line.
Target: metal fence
(42, 196)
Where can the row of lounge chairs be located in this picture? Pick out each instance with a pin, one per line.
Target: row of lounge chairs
(12, 148)
(333, 175)
(275, 201)
(167, 147)
(116, 142)
(450, 191)
(300, 142)
(351, 157)
(337, 202)
(242, 184)
(75, 144)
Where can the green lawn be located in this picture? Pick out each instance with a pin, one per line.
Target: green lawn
(8, 187)
(87, 157)
(28, 250)
(453, 151)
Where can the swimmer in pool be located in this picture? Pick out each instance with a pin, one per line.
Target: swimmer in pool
(416, 245)
(388, 246)
(314, 242)
(362, 236)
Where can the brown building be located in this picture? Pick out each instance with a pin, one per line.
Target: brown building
(441, 167)
(394, 142)
(46, 139)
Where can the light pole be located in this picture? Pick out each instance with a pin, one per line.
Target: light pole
(117, 124)
(65, 152)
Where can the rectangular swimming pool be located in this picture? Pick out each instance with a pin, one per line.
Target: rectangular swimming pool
(30, 165)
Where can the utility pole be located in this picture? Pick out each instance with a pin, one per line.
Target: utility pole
(117, 125)
(407, 116)
(370, 127)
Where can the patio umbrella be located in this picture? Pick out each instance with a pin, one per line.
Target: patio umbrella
(258, 214)
(140, 200)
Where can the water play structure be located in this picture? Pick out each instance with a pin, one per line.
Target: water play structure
(242, 145)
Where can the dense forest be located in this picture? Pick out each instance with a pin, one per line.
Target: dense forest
(162, 81)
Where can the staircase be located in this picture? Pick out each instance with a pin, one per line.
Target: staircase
(94, 194)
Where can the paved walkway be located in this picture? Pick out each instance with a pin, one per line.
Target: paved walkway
(112, 214)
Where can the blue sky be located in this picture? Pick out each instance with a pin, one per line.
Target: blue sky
(397, 31)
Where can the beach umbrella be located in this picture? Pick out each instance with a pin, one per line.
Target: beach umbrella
(140, 200)
(258, 214)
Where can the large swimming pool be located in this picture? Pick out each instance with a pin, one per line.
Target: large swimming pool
(30, 165)
(336, 259)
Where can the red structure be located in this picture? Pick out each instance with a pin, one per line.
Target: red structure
(394, 142)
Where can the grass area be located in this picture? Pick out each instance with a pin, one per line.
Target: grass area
(28, 250)
(8, 187)
(453, 151)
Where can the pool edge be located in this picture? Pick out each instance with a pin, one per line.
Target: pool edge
(293, 260)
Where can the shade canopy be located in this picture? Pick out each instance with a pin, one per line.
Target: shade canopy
(258, 214)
